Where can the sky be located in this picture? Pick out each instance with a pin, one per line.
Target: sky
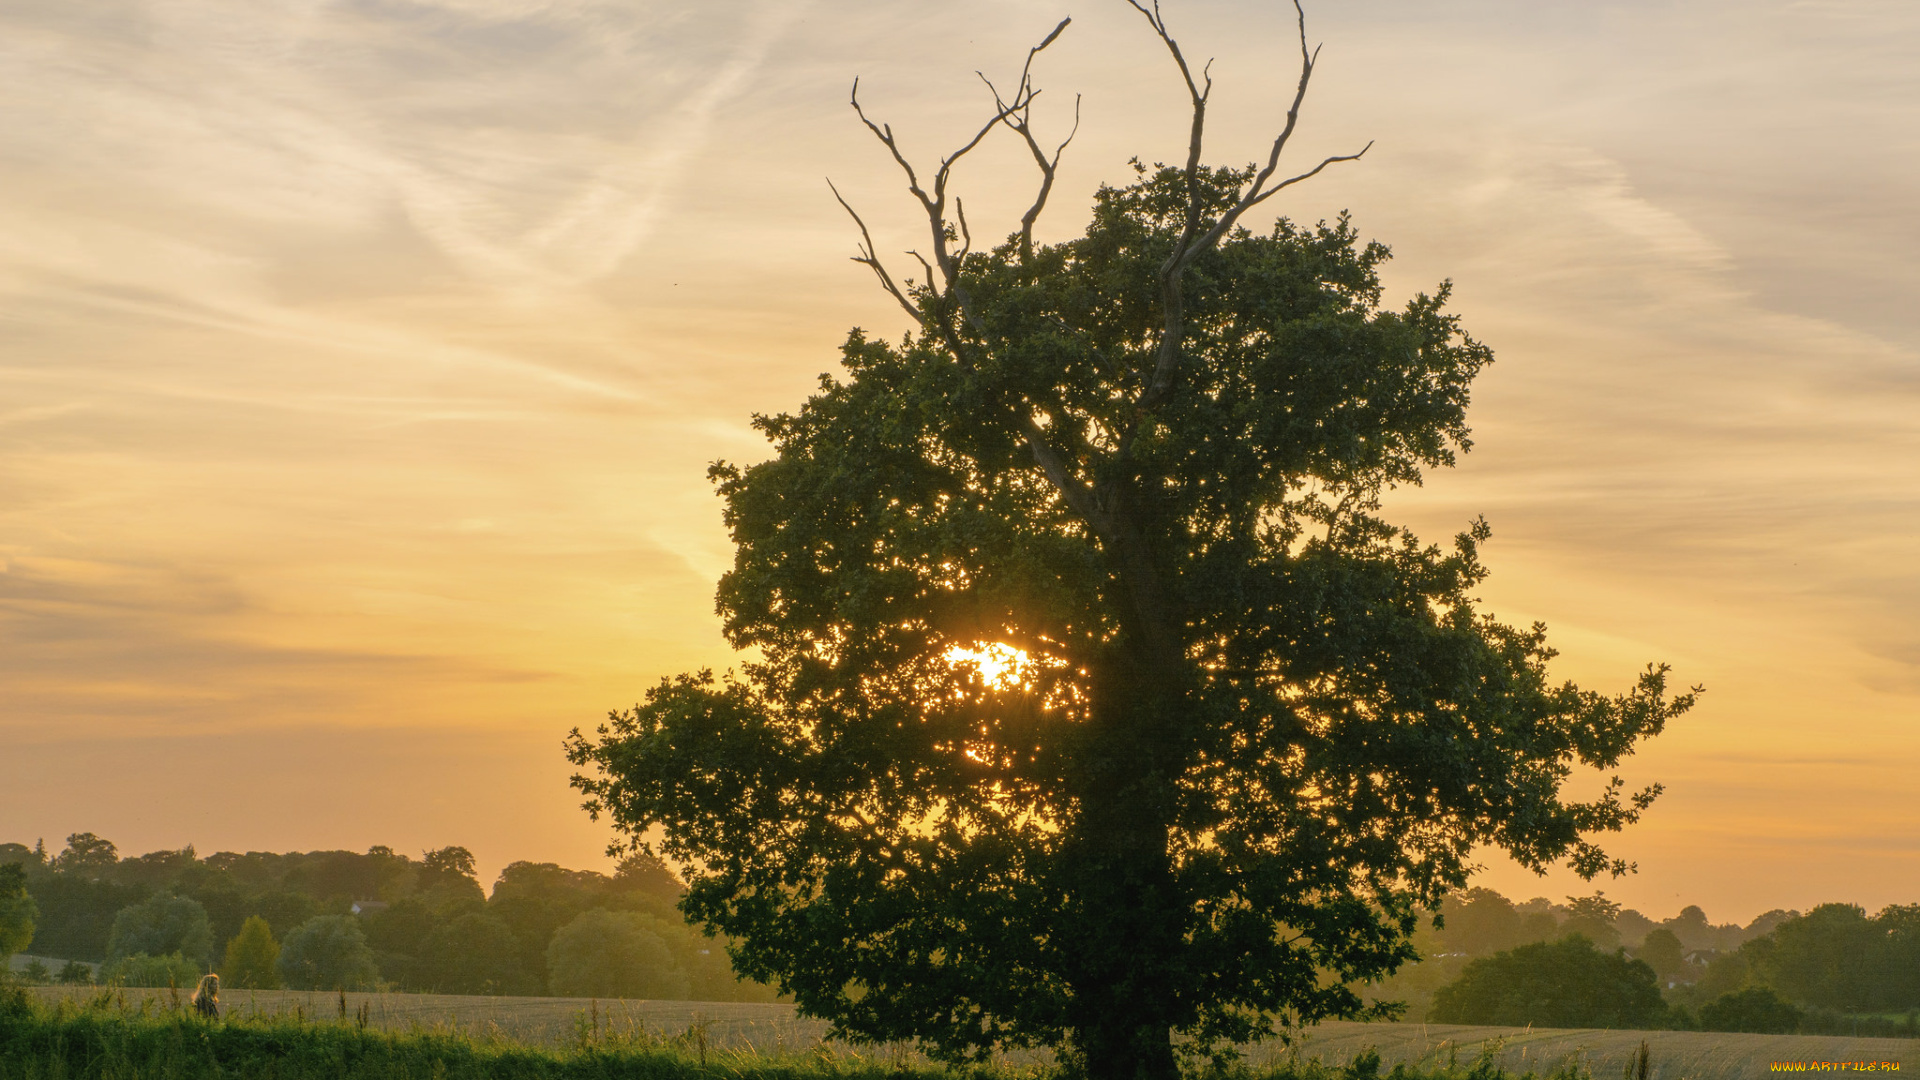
(361, 361)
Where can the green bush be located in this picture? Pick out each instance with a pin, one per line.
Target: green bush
(143, 970)
(1756, 1009)
(1565, 983)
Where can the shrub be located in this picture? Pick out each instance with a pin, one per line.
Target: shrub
(616, 954)
(1565, 983)
(140, 969)
(1756, 1009)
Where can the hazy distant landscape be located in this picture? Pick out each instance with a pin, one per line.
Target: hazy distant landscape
(430, 934)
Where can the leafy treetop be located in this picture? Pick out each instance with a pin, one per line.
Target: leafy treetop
(1095, 699)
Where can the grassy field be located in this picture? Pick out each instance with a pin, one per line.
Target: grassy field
(776, 1031)
(1676, 1055)
(536, 1021)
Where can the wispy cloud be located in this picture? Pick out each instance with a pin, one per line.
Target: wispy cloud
(360, 359)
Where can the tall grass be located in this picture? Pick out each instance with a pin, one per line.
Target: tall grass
(111, 1038)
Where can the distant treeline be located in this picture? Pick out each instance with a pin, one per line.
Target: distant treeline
(263, 918)
(1835, 969)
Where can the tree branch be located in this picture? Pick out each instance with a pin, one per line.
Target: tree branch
(872, 261)
(1190, 247)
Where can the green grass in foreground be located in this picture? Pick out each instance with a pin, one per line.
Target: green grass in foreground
(105, 1039)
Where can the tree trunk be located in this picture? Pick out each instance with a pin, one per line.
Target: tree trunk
(1132, 924)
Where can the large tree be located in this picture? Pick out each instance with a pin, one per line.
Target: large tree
(1092, 701)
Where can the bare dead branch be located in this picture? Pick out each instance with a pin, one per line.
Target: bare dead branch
(872, 261)
(1190, 247)
(885, 134)
(1309, 174)
(1257, 192)
(931, 285)
(966, 234)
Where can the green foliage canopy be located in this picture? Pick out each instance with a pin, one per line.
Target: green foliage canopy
(87, 855)
(1662, 952)
(139, 969)
(1477, 921)
(327, 952)
(251, 957)
(1838, 957)
(17, 911)
(1565, 983)
(1255, 725)
(161, 925)
(475, 953)
(1592, 918)
(613, 954)
(1756, 1009)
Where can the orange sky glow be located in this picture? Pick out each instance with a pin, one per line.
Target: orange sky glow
(360, 363)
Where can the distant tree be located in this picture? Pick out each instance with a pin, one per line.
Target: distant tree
(35, 973)
(251, 957)
(1565, 983)
(1765, 924)
(161, 925)
(140, 969)
(1476, 921)
(1757, 1009)
(228, 907)
(17, 911)
(87, 855)
(475, 953)
(1592, 918)
(450, 862)
(1661, 951)
(448, 880)
(536, 899)
(75, 973)
(327, 952)
(1728, 972)
(156, 869)
(77, 913)
(284, 909)
(1825, 958)
(1897, 968)
(1692, 928)
(614, 954)
(1633, 926)
(398, 937)
(336, 877)
(644, 871)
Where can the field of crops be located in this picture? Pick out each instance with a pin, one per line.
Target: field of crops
(1676, 1055)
